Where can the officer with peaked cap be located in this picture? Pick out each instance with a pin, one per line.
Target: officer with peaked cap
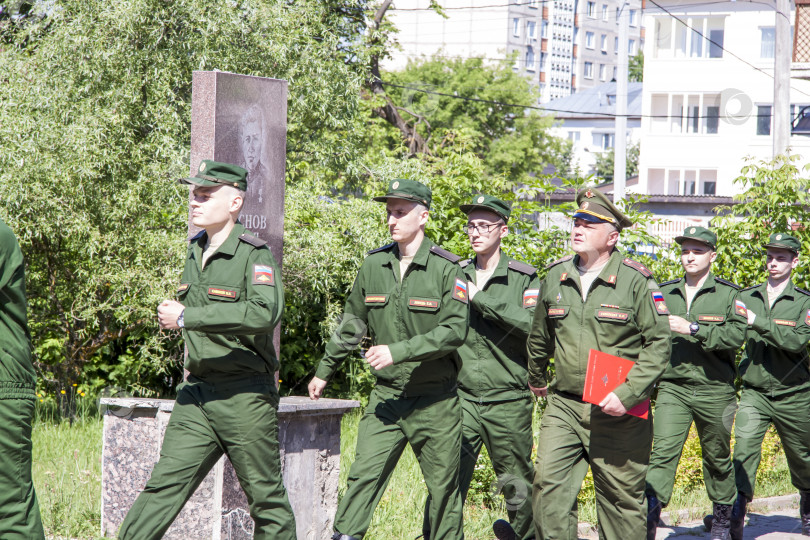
(229, 300)
(775, 379)
(410, 298)
(596, 299)
(496, 403)
(708, 327)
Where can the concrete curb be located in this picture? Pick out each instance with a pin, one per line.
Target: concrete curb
(685, 519)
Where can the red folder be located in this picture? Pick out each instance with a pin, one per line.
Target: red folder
(605, 373)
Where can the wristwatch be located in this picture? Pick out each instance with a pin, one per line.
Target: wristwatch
(693, 329)
(181, 324)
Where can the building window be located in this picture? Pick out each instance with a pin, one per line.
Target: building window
(763, 119)
(603, 140)
(602, 72)
(530, 29)
(516, 27)
(589, 40)
(712, 121)
(533, 4)
(604, 12)
(685, 113)
(614, 73)
(692, 37)
(529, 58)
(631, 47)
(543, 61)
(615, 45)
(633, 17)
(590, 9)
(544, 29)
(588, 70)
(604, 43)
(573, 136)
(767, 47)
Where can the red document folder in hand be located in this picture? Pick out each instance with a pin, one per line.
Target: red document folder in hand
(605, 373)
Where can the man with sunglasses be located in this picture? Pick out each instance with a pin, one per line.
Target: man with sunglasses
(495, 400)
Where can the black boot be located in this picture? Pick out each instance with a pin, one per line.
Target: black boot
(503, 530)
(653, 515)
(721, 522)
(804, 512)
(738, 516)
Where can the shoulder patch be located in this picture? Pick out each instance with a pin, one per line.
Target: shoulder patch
(670, 282)
(252, 240)
(441, 252)
(730, 284)
(803, 291)
(522, 267)
(637, 266)
(558, 261)
(752, 287)
(381, 248)
(465, 262)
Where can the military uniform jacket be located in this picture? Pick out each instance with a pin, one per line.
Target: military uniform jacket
(619, 317)
(493, 357)
(422, 318)
(231, 307)
(17, 377)
(710, 356)
(775, 359)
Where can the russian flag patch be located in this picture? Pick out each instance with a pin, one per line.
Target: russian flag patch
(660, 306)
(460, 290)
(530, 297)
(740, 309)
(263, 275)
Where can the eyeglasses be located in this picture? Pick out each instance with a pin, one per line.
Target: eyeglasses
(481, 228)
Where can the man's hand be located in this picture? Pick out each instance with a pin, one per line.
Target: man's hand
(472, 288)
(751, 317)
(612, 405)
(379, 356)
(168, 312)
(679, 325)
(316, 387)
(539, 392)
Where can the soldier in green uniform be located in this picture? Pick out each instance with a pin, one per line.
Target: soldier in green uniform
(597, 299)
(708, 327)
(775, 379)
(19, 511)
(495, 401)
(230, 300)
(410, 299)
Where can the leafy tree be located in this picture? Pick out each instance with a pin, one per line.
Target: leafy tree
(636, 68)
(605, 162)
(95, 130)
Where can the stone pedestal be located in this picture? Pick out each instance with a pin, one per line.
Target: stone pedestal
(309, 437)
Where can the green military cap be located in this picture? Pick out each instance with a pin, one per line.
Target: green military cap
(596, 208)
(701, 234)
(490, 204)
(410, 190)
(784, 241)
(214, 173)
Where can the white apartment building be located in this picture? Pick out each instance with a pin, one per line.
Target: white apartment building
(708, 96)
(547, 37)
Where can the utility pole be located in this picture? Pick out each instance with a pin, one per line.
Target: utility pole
(783, 52)
(620, 136)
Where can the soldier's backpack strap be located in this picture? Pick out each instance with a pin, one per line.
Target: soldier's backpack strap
(803, 291)
(252, 240)
(522, 267)
(727, 282)
(381, 248)
(670, 282)
(638, 267)
(441, 252)
(465, 263)
(559, 261)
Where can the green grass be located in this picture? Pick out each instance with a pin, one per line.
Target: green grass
(67, 477)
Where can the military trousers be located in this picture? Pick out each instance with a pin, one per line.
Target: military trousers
(574, 435)
(712, 408)
(432, 426)
(789, 414)
(19, 510)
(239, 419)
(505, 428)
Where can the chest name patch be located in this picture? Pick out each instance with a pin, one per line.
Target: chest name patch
(615, 315)
(783, 322)
(530, 297)
(460, 290)
(711, 318)
(224, 293)
(183, 287)
(423, 303)
(376, 298)
(556, 312)
(263, 275)
(660, 306)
